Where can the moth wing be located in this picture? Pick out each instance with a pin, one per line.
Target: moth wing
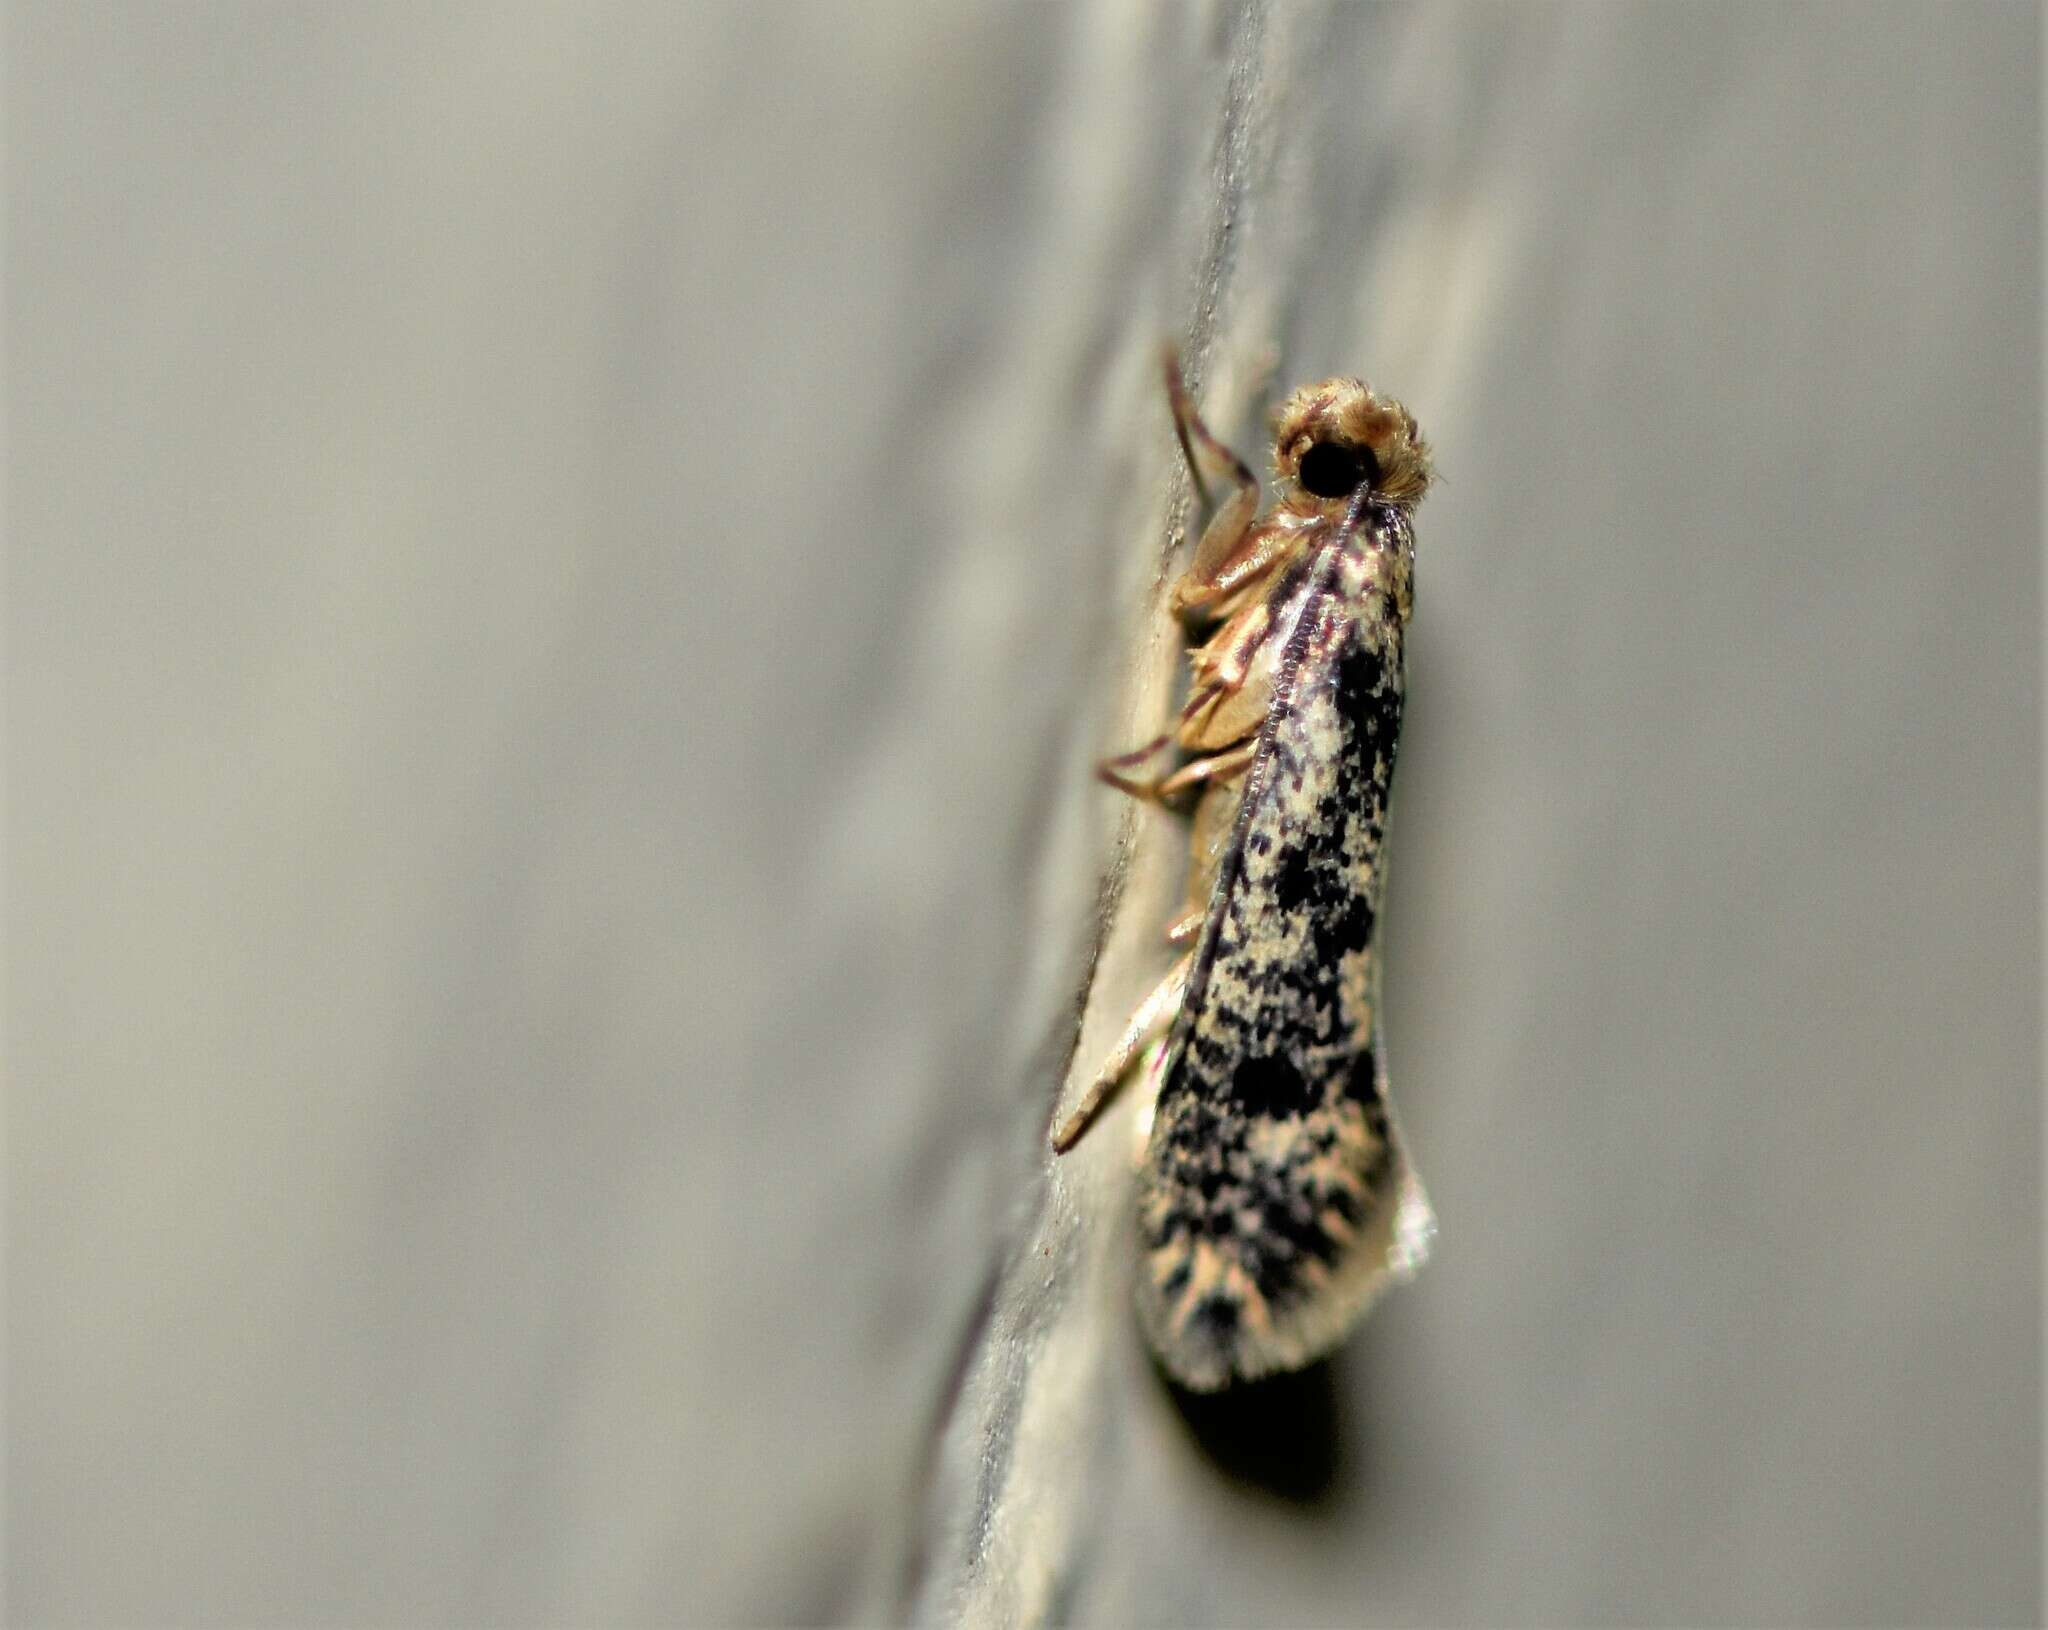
(1277, 1199)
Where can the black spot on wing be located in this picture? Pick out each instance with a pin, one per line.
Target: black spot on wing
(1312, 879)
(1271, 1088)
(1345, 925)
(1369, 697)
(1362, 1086)
(1300, 876)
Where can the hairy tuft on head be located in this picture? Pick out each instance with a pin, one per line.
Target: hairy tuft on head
(1345, 413)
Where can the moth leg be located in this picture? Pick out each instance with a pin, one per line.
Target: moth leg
(1111, 769)
(1138, 755)
(1216, 767)
(1167, 787)
(1146, 792)
(1147, 1025)
(1215, 816)
(1198, 590)
(1215, 570)
(1221, 709)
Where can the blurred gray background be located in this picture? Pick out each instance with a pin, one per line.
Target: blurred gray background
(566, 568)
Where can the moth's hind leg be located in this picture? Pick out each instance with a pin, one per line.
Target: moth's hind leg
(1215, 816)
(1146, 1026)
(1222, 779)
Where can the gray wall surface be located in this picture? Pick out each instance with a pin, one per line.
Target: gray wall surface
(566, 571)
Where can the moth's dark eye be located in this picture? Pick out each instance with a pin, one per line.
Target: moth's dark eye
(1331, 471)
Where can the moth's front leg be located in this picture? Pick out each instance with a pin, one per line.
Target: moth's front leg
(1223, 563)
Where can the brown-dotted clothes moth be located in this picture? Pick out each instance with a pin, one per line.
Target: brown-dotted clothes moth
(1276, 1199)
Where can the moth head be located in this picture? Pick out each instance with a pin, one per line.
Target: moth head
(1330, 439)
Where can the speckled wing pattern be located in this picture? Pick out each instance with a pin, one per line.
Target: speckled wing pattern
(1276, 1199)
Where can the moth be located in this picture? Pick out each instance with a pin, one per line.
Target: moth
(1275, 1197)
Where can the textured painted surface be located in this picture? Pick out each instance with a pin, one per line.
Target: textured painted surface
(565, 575)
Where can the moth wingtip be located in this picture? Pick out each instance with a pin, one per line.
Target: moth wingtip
(1233, 1334)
